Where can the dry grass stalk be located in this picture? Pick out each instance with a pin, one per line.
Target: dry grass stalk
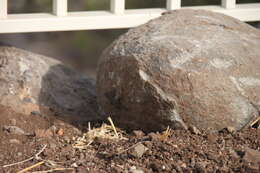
(36, 156)
(255, 121)
(31, 167)
(165, 135)
(112, 124)
(54, 170)
(104, 132)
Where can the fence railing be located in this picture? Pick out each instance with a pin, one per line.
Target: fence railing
(118, 17)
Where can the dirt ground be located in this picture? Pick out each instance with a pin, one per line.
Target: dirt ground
(34, 143)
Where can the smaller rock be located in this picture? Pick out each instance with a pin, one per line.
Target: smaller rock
(251, 155)
(14, 130)
(19, 154)
(66, 139)
(224, 169)
(211, 156)
(36, 113)
(52, 145)
(13, 122)
(138, 150)
(60, 132)
(148, 144)
(14, 141)
(41, 133)
(77, 131)
(201, 166)
(212, 137)
(53, 128)
(194, 130)
(47, 152)
(231, 129)
(254, 168)
(234, 154)
(74, 165)
(155, 166)
(177, 168)
(138, 133)
(82, 156)
(133, 169)
(163, 167)
(154, 136)
(182, 164)
(192, 162)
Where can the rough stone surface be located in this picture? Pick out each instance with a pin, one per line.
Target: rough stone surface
(32, 83)
(252, 155)
(138, 150)
(15, 130)
(188, 67)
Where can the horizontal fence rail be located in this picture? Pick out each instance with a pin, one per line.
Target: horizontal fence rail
(118, 17)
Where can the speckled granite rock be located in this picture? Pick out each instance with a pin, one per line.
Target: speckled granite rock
(188, 67)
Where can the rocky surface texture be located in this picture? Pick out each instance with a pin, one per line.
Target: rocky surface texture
(186, 68)
(35, 84)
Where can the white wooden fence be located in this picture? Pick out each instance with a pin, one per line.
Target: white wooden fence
(117, 17)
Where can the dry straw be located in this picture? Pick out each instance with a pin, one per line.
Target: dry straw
(106, 131)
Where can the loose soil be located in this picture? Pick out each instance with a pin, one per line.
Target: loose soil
(175, 151)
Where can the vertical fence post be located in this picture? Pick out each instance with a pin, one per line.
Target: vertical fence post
(60, 7)
(117, 6)
(173, 4)
(228, 3)
(3, 9)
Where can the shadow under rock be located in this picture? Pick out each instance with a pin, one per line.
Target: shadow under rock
(70, 96)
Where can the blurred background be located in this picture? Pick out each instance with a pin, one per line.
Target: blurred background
(80, 49)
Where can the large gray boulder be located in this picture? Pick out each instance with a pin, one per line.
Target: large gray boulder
(32, 83)
(185, 68)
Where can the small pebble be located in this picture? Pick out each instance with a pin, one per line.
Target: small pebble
(212, 137)
(53, 128)
(81, 156)
(15, 130)
(66, 139)
(148, 144)
(133, 169)
(138, 150)
(74, 165)
(154, 136)
(251, 155)
(231, 129)
(14, 141)
(53, 145)
(194, 130)
(138, 133)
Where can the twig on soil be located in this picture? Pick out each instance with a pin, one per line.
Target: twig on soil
(113, 126)
(31, 167)
(36, 156)
(251, 123)
(50, 164)
(52, 170)
(254, 122)
(129, 148)
(89, 126)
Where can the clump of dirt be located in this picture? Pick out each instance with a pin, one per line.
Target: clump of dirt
(41, 143)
